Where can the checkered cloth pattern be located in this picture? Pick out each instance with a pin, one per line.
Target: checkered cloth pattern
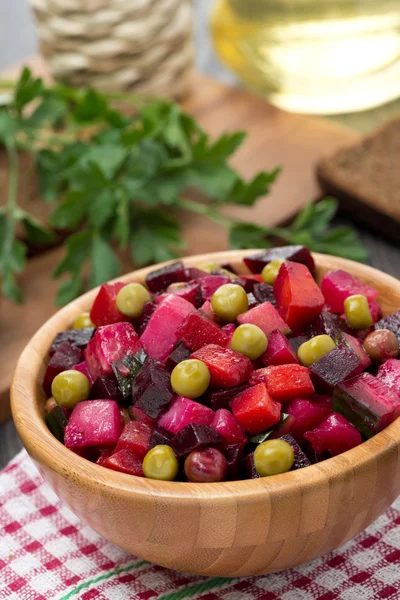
(46, 553)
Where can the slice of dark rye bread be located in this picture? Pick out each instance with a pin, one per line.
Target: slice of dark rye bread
(366, 179)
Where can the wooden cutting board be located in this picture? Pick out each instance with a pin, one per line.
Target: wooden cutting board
(274, 138)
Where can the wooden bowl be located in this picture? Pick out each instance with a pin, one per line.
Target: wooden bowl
(230, 529)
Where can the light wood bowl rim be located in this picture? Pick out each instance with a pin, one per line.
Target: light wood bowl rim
(45, 449)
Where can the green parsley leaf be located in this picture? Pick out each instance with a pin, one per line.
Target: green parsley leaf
(246, 235)
(105, 264)
(78, 251)
(35, 231)
(69, 290)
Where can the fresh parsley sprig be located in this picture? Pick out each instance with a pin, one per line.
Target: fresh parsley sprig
(120, 181)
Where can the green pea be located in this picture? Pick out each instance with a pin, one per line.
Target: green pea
(82, 321)
(314, 349)
(70, 387)
(229, 301)
(190, 378)
(357, 312)
(131, 300)
(161, 463)
(271, 270)
(250, 340)
(273, 457)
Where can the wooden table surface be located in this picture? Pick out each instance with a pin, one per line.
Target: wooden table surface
(383, 255)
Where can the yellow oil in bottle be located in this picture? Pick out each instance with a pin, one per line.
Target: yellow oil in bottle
(312, 56)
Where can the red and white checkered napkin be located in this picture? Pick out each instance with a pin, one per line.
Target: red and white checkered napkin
(46, 553)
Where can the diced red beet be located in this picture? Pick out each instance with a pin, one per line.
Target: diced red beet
(151, 390)
(82, 368)
(297, 341)
(338, 285)
(251, 302)
(66, 357)
(249, 466)
(338, 365)
(375, 311)
(283, 428)
(279, 350)
(158, 280)
(326, 323)
(207, 309)
(308, 413)
(220, 398)
(229, 329)
(255, 410)
(367, 402)
(300, 458)
(233, 454)
(143, 321)
(195, 436)
(198, 330)
(104, 309)
(391, 322)
(266, 317)
(299, 254)
(227, 368)
(358, 350)
(264, 292)
(298, 298)
(249, 281)
(389, 374)
(104, 453)
(285, 382)
(227, 425)
(258, 376)
(93, 423)
(190, 292)
(160, 336)
(211, 283)
(178, 354)
(136, 414)
(109, 344)
(184, 411)
(334, 435)
(106, 388)
(136, 437)
(76, 337)
(124, 461)
(194, 273)
(161, 436)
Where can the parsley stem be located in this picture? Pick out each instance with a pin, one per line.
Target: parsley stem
(12, 206)
(203, 209)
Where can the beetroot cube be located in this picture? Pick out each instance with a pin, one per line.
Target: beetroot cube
(161, 437)
(142, 323)
(258, 376)
(266, 317)
(391, 322)
(211, 283)
(76, 337)
(206, 308)
(308, 413)
(184, 411)
(284, 427)
(124, 461)
(227, 368)
(300, 459)
(178, 354)
(251, 301)
(160, 335)
(375, 311)
(136, 437)
(367, 403)
(220, 398)
(389, 374)
(263, 292)
(338, 285)
(233, 454)
(104, 309)
(357, 347)
(255, 410)
(109, 344)
(299, 254)
(326, 323)
(229, 329)
(83, 368)
(298, 298)
(225, 423)
(198, 330)
(249, 281)
(151, 390)
(104, 453)
(93, 423)
(279, 350)
(249, 466)
(106, 388)
(136, 414)
(339, 364)
(193, 273)
(190, 292)
(66, 357)
(195, 436)
(334, 435)
(287, 381)
(158, 280)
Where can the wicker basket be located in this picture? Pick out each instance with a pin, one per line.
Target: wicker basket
(118, 45)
